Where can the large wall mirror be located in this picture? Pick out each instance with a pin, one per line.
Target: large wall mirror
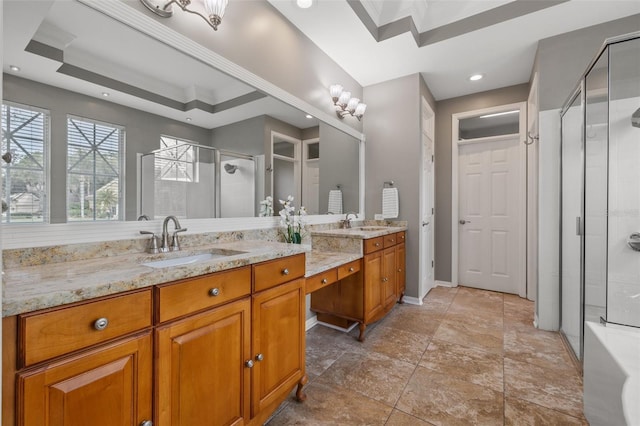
(107, 124)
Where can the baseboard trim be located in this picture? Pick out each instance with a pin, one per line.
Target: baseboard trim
(412, 300)
(444, 284)
(311, 322)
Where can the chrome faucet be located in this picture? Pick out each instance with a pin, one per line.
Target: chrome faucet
(346, 223)
(174, 245)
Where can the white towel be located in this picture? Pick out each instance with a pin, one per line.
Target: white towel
(390, 203)
(335, 201)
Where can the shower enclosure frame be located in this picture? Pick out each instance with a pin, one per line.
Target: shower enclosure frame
(580, 91)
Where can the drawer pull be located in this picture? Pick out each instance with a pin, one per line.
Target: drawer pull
(393, 241)
(384, 280)
(351, 269)
(259, 357)
(285, 271)
(248, 364)
(101, 324)
(146, 423)
(214, 292)
(399, 269)
(324, 281)
(377, 244)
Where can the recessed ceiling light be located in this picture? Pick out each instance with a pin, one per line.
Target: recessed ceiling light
(14, 68)
(105, 94)
(476, 77)
(304, 4)
(309, 116)
(188, 118)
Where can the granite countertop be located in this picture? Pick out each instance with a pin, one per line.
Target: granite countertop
(320, 261)
(360, 232)
(31, 288)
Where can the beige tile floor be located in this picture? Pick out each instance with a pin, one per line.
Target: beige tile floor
(466, 356)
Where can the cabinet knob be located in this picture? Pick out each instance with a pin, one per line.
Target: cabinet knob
(259, 357)
(324, 281)
(214, 292)
(399, 269)
(285, 271)
(248, 364)
(384, 280)
(351, 269)
(393, 241)
(377, 244)
(100, 324)
(146, 423)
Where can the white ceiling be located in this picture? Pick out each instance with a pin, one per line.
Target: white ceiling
(503, 52)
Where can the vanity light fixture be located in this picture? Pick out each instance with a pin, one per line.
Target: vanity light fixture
(214, 9)
(476, 77)
(345, 104)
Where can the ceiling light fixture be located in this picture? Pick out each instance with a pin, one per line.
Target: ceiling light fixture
(476, 77)
(14, 68)
(345, 104)
(309, 116)
(105, 94)
(497, 114)
(304, 4)
(214, 9)
(188, 119)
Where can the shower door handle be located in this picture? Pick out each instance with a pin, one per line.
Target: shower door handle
(578, 226)
(634, 241)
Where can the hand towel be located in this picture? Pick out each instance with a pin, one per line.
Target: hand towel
(335, 201)
(390, 203)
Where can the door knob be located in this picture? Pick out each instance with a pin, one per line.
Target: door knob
(462, 221)
(424, 224)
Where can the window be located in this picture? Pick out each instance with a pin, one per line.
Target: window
(94, 165)
(25, 135)
(177, 160)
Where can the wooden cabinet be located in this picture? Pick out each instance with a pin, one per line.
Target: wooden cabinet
(278, 318)
(225, 349)
(106, 386)
(200, 367)
(367, 295)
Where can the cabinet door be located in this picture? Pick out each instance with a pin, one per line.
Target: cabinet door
(107, 386)
(278, 342)
(401, 275)
(201, 374)
(389, 276)
(373, 296)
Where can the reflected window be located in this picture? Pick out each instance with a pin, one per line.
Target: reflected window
(489, 125)
(177, 160)
(25, 137)
(94, 163)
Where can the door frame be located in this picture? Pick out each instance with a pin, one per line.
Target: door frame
(522, 162)
(422, 292)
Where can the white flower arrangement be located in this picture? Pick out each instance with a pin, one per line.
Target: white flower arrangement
(292, 221)
(266, 207)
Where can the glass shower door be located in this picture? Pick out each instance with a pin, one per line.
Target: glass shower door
(571, 224)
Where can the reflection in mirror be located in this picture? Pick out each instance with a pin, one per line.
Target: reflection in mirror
(496, 124)
(76, 62)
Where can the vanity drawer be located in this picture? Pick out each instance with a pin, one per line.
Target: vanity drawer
(390, 240)
(348, 269)
(373, 244)
(270, 274)
(322, 279)
(195, 294)
(59, 331)
(400, 237)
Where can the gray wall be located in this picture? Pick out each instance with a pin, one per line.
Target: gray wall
(143, 132)
(561, 60)
(254, 35)
(244, 136)
(339, 165)
(445, 111)
(393, 152)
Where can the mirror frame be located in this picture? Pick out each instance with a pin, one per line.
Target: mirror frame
(40, 235)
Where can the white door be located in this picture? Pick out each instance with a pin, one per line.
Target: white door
(490, 211)
(427, 276)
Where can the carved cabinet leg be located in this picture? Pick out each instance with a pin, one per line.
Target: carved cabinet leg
(401, 301)
(362, 326)
(300, 395)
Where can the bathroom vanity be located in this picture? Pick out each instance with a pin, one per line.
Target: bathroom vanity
(226, 345)
(367, 294)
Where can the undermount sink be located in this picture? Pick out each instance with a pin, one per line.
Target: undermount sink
(371, 228)
(191, 259)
